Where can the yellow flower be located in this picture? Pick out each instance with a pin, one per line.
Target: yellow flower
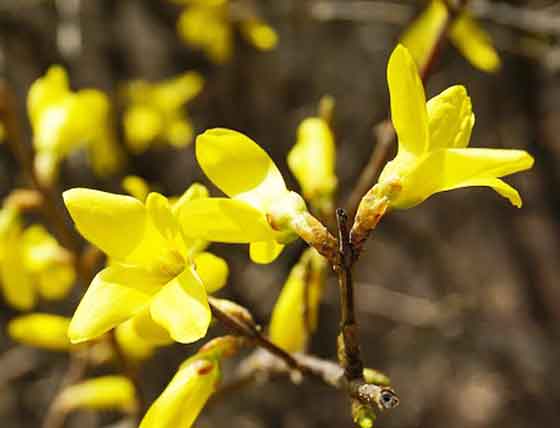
(64, 121)
(465, 33)
(32, 263)
(156, 271)
(260, 211)
(102, 393)
(181, 402)
(40, 330)
(155, 111)
(288, 327)
(433, 138)
(312, 161)
(207, 25)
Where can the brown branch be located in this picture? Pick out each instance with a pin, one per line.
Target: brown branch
(348, 343)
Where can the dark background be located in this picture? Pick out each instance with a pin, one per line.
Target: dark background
(458, 299)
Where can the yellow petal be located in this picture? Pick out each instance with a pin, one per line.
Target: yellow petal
(408, 102)
(16, 282)
(500, 186)
(172, 94)
(106, 156)
(47, 90)
(142, 124)
(181, 307)
(179, 132)
(474, 43)
(114, 223)
(116, 294)
(55, 282)
(212, 270)
(265, 252)
(421, 36)
(150, 331)
(312, 159)
(259, 34)
(161, 215)
(185, 396)
(239, 167)
(195, 191)
(450, 119)
(457, 168)
(45, 331)
(224, 220)
(106, 392)
(136, 186)
(133, 346)
(287, 328)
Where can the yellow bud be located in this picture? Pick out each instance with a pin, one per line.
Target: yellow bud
(102, 393)
(41, 330)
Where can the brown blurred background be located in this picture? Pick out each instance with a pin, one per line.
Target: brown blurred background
(458, 298)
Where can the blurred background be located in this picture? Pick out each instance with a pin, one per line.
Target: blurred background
(458, 299)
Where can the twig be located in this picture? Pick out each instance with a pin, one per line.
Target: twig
(348, 343)
(273, 360)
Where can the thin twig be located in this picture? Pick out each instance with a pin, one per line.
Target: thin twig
(348, 343)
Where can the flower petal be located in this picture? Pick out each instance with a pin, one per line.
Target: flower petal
(474, 43)
(45, 331)
(408, 102)
(185, 396)
(224, 220)
(105, 392)
(182, 308)
(448, 169)
(161, 215)
(500, 186)
(116, 294)
(212, 270)
(265, 252)
(16, 282)
(450, 119)
(237, 165)
(421, 36)
(114, 223)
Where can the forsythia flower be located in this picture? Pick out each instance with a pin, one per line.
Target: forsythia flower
(64, 121)
(207, 25)
(48, 331)
(155, 111)
(40, 330)
(261, 211)
(465, 33)
(288, 327)
(312, 161)
(191, 387)
(433, 155)
(155, 273)
(102, 393)
(32, 263)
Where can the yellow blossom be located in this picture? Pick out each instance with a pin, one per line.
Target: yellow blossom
(433, 137)
(155, 111)
(289, 328)
(181, 402)
(312, 161)
(102, 393)
(465, 33)
(156, 272)
(32, 263)
(261, 211)
(64, 121)
(207, 25)
(41, 330)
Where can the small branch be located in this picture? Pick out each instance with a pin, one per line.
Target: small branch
(348, 343)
